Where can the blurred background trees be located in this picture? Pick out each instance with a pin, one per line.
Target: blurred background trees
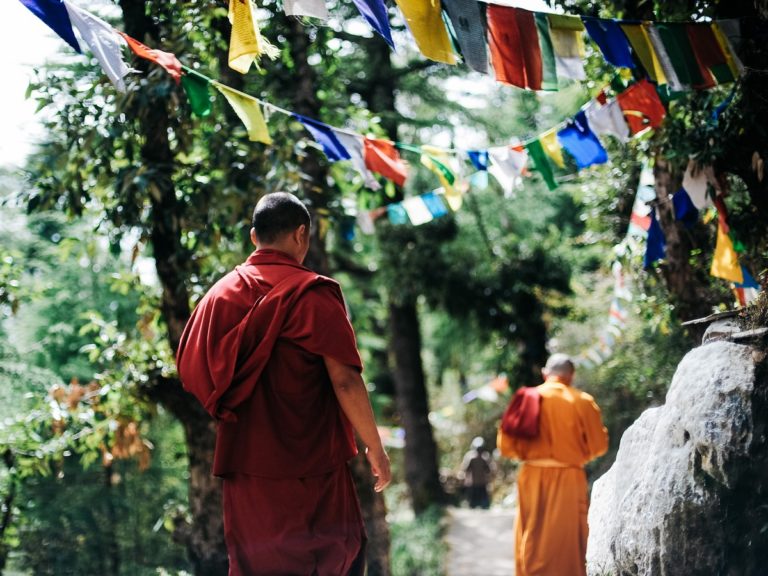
(132, 207)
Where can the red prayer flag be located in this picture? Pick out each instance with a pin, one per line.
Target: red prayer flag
(514, 44)
(642, 106)
(165, 59)
(709, 53)
(382, 157)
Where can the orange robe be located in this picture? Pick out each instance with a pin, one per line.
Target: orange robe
(551, 522)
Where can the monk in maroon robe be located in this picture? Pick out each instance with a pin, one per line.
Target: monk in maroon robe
(271, 355)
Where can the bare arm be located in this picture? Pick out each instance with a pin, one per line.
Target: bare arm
(353, 397)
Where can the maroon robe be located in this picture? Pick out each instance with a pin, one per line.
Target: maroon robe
(252, 353)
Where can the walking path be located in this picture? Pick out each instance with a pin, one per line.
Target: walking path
(481, 542)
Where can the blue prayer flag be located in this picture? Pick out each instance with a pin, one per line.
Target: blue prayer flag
(685, 211)
(397, 214)
(581, 143)
(54, 14)
(748, 282)
(611, 39)
(435, 204)
(375, 13)
(479, 158)
(656, 243)
(325, 136)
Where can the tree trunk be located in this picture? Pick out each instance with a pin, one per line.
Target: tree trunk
(205, 537)
(316, 192)
(421, 469)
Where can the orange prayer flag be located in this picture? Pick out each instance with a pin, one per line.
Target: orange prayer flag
(382, 157)
(165, 59)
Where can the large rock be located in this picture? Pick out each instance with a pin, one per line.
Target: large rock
(684, 495)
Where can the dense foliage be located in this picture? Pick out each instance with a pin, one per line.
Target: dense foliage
(136, 207)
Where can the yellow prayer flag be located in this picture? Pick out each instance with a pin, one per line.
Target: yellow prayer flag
(638, 37)
(737, 68)
(725, 263)
(248, 109)
(452, 195)
(567, 35)
(427, 26)
(552, 147)
(246, 43)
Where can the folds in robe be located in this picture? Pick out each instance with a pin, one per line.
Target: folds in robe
(252, 354)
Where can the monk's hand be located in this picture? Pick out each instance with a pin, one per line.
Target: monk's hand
(379, 466)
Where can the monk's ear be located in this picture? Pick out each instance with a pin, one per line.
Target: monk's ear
(254, 240)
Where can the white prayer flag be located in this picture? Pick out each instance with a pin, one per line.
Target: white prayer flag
(103, 40)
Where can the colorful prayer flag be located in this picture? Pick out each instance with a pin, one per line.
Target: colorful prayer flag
(198, 94)
(397, 214)
(353, 143)
(725, 262)
(167, 60)
(246, 43)
(507, 166)
(539, 157)
(443, 173)
(748, 290)
(548, 66)
(514, 44)
(639, 38)
(248, 109)
(426, 24)
(434, 204)
(675, 39)
(608, 120)
(696, 184)
(642, 106)
(468, 19)
(325, 136)
(727, 33)
(610, 38)
(665, 61)
(552, 147)
(375, 13)
(581, 143)
(417, 210)
(709, 52)
(311, 8)
(382, 157)
(104, 41)
(685, 210)
(479, 158)
(568, 45)
(54, 14)
(656, 243)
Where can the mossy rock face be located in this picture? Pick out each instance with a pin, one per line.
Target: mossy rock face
(688, 493)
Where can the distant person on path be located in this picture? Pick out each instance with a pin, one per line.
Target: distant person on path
(551, 523)
(271, 355)
(478, 469)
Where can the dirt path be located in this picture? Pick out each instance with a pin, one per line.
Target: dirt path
(480, 542)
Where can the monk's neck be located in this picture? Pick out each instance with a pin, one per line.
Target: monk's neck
(277, 249)
(557, 380)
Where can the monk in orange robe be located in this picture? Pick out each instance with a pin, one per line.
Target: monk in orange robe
(270, 354)
(551, 523)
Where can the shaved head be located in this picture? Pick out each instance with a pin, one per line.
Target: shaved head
(277, 214)
(559, 365)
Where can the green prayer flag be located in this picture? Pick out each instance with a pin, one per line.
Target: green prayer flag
(196, 87)
(674, 36)
(549, 68)
(540, 161)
